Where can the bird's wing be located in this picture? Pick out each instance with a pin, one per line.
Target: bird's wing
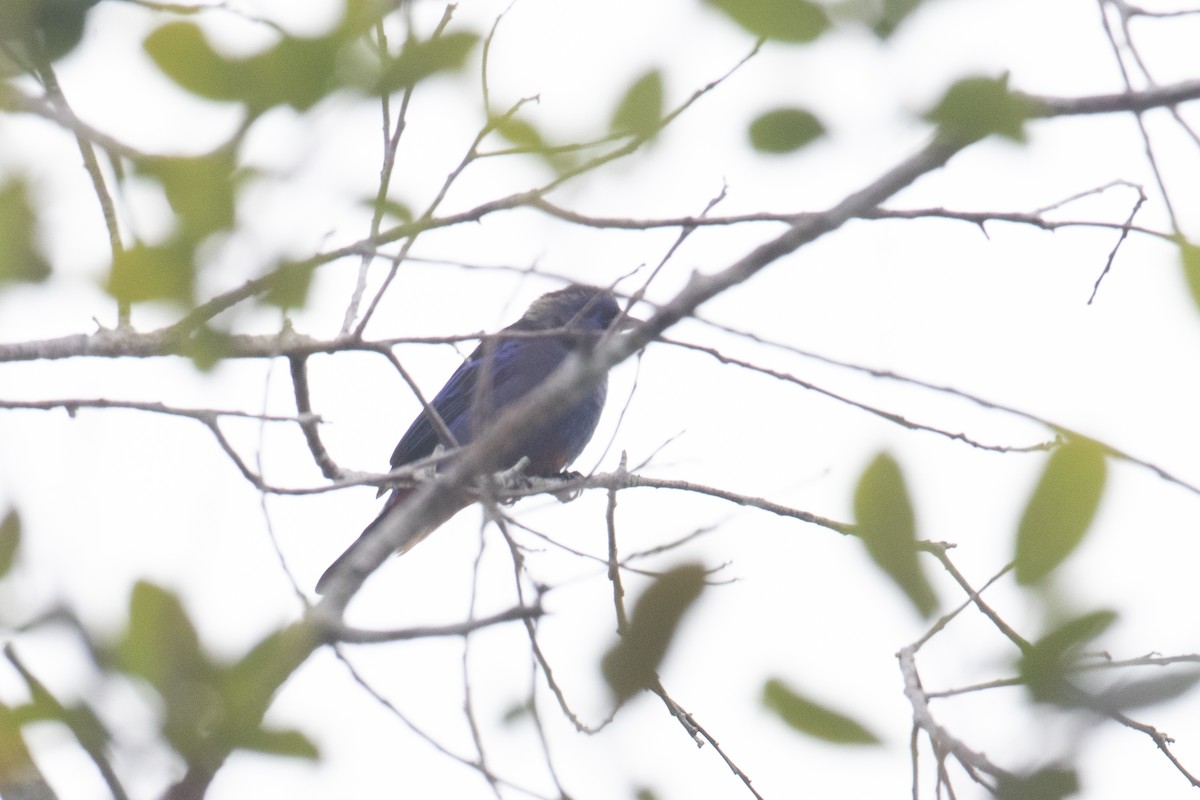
(514, 368)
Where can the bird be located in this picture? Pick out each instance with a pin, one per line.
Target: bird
(497, 375)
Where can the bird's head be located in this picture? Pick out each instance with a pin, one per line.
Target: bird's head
(577, 307)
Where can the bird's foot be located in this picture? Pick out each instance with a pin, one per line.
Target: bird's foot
(514, 481)
(570, 492)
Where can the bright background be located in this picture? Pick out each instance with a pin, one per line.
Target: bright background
(111, 497)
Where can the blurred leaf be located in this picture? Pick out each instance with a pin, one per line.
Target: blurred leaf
(160, 644)
(1189, 255)
(199, 189)
(19, 258)
(640, 110)
(420, 59)
(784, 130)
(894, 13)
(1147, 692)
(290, 743)
(399, 212)
(885, 523)
(783, 20)
(162, 647)
(56, 25)
(1044, 667)
(206, 346)
(645, 794)
(183, 53)
(1061, 509)
(16, 763)
(296, 72)
(10, 539)
(289, 285)
(631, 664)
(521, 133)
(517, 712)
(1049, 783)
(812, 718)
(976, 107)
(249, 685)
(152, 272)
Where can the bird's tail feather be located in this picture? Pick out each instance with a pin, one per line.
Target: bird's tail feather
(346, 560)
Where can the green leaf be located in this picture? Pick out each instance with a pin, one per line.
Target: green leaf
(782, 20)
(288, 284)
(812, 718)
(977, 107)
(521, 133)
(248, 686)
(152, 272)
(199, 189)
(10, 540)
(182, 52)
(632, 663)
(1189, 257)
(894, 12)
(290, 743)
(885, 523)
(19, 258)
(206, 346)
(421, 59)
(640, 110)
(1060, 510)
(295, 72)
(784, 130)
(1048, 783)
(1146, 692)
(1045, 666)
(56, 26)
(161, 644)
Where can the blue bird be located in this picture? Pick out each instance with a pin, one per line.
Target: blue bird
(500, 372)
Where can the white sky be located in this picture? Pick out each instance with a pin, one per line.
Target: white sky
(112, 497)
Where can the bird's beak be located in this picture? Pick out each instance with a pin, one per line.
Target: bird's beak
(625, 322)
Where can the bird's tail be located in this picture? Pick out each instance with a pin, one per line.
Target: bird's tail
(347, 559)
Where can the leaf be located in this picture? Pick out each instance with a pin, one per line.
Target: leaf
(1146, 692)
(894, 13)
(199, 189)
(1048, 783)
(182, 52)
(640, 110)
(10, 540)
(295, 72)
(632, 663)
(977, 107)
(885, 523)
(782, 20)
(55, 25)
(1060, 510)
(421, 59)
(248, 686)
(152, 272)
(812, 718)
(280, 743)
(289, 284)
(521, 133)
(784, 130)
(161, 644)
(19, 258)
(1044, 667)
(206, 346)
(1189, 257)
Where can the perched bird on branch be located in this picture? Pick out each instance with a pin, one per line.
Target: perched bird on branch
(496, 376)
